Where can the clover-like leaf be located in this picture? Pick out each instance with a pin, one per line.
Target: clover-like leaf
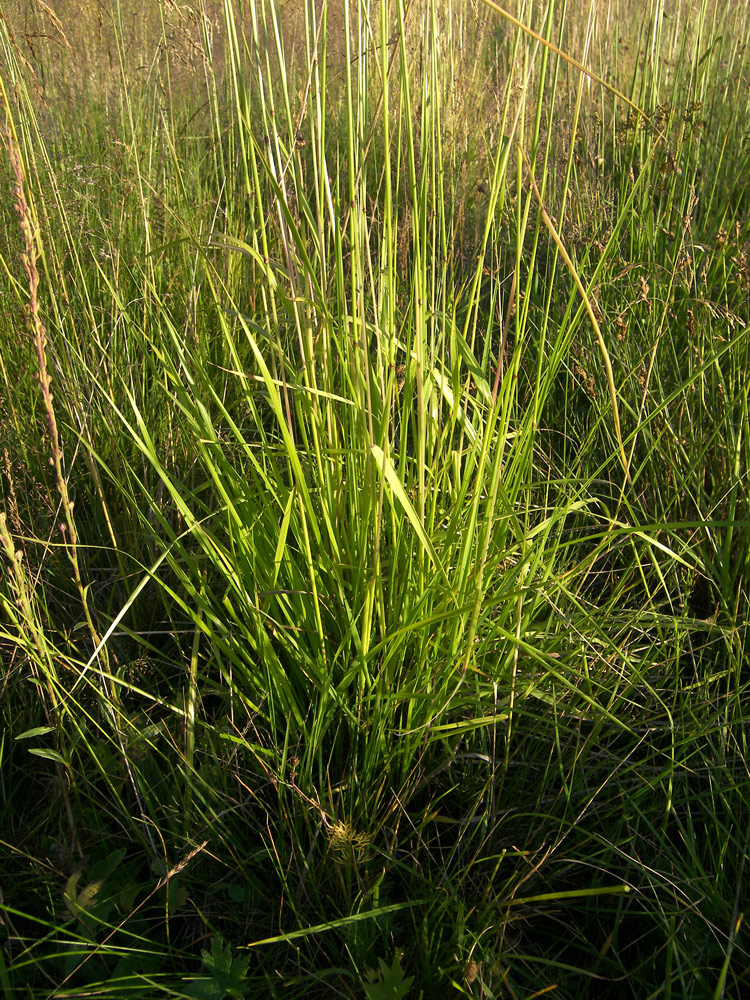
(388, 983)
(227, 974)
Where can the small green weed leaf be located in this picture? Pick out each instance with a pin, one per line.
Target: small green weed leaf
(77, 902)
(47, 754)
(205, 989)
(388, 984)
(177, 895)
(102, 869)
(71, 891)
(227, 974)
(87, 896)
(238, 893)
(39, 731)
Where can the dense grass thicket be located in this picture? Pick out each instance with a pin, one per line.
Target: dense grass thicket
(375, 531)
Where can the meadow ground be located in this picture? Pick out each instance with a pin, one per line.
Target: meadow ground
(375, 552)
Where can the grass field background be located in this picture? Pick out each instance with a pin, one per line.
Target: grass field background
(375, 554)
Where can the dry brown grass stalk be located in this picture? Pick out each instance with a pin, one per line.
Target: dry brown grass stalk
(30, 255)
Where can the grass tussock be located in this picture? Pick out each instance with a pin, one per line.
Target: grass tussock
(374, 397)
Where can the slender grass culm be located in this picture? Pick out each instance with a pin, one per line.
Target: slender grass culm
(374, 481)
